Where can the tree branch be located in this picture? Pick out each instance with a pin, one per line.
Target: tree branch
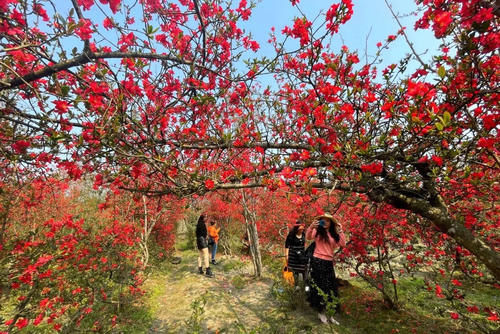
(83, 59)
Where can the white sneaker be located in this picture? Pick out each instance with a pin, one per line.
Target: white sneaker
(322, 318)
(335, 322)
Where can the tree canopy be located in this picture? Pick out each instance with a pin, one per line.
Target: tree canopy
(163, 97)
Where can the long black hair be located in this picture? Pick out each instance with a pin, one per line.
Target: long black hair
(201, 228)
(322, 232)
(294, 230)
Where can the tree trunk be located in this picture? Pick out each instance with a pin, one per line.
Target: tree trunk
(440, 217)
(145, 236)
(253, 238)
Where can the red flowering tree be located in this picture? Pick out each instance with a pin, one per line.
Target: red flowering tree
(426, 142)
(163, 104)
(71, 258)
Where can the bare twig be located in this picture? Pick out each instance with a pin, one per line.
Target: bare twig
(410, 44)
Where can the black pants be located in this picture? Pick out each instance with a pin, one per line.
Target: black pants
(323, 279)
(296, 274)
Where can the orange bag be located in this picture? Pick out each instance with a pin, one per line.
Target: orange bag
(287, 275)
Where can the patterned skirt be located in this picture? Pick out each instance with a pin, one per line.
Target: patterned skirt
(297, 260)
(324, 284)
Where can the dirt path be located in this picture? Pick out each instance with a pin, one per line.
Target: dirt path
(179, 300)
(231, 302)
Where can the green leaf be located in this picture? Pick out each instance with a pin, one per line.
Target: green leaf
(64, 90)
(439, 126)
(446, 118)
(441, 72)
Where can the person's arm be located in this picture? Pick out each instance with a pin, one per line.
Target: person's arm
(287, 247)
(311, 231)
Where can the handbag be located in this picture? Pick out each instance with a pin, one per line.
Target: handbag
(211, 241)
(287, 275)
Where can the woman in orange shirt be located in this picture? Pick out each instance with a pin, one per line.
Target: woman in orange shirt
(213, 241)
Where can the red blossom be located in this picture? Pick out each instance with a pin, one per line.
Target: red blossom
(84, 30)
(41, 12)
(4, 4)
(493, 316)
(486, 143)
(21, 323)
(243, 10)
(437, 160)
(299, 30)
(20, 146)
(44, 259)
(441, 22)
(209, 184)
(473, 309)
(108, 23)
(114, 5)
(62, 106)
(331, 15)
(374, 168)
(439, 291)
(39, 319)
(87, 4)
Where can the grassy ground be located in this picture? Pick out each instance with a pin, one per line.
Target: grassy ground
(179, 300)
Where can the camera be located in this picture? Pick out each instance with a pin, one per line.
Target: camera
(321, 223)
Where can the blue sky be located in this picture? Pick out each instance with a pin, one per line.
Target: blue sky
(368, 15)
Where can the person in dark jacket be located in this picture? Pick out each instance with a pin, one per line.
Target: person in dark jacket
(201, 243)
(294, 251)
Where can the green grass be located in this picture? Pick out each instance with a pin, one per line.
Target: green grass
(239, 282)
(184, 245)
(232, 265)
(139, 317)
(365, 312)
(363, 308)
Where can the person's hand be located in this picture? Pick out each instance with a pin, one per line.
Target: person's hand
(315, 224)
(339, 228)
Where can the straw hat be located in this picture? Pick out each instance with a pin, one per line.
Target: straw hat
(327, 215)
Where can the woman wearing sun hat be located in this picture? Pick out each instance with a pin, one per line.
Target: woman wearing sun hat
(328, 235)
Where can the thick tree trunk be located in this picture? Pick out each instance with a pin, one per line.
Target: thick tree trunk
(452, 227)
